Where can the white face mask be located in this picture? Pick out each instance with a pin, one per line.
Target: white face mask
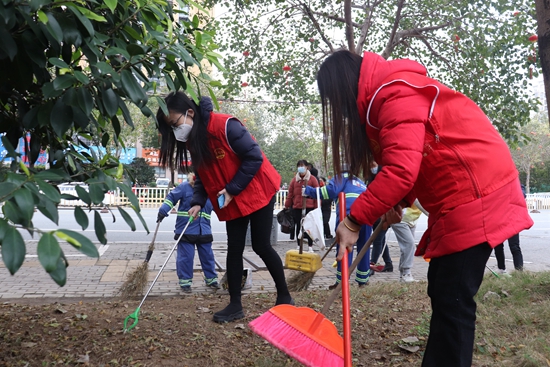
(301, 169)
(374, 170)
(183, 131)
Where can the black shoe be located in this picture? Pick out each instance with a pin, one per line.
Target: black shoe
(213, 285)
(284, 301)
(361, 285)
(331, 287)
(186, 289)
(388, 268)
(329, 236)
(230, 313)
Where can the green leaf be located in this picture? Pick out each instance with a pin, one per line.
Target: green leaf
(48, 251)
(59, 275)
(8, 45)
(96, 193)
(11, 212)
(13, 250)
(63, 82)
(78, 241)
(58, 62)
(52, 175)
(91, 15)
(81, 217)
(25, 202)
(48, 190)
(81, 77)
(127, 218)
(99, 227)
(61, 118)
(85, 21)
(111, 4)
(110, 102)
(130, 195)
(48, 208)
(131, 87)
(54, 28)
(83, 194)
(3, 228)
(85, 100)
(7, 189)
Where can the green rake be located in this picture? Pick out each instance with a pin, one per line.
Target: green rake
(135, 314)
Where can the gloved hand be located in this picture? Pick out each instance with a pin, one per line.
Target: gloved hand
(161, 216)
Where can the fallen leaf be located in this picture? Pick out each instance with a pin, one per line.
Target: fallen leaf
(28, 344)
(410, 339)
(410, 348)
(239, 326)
(60, 310)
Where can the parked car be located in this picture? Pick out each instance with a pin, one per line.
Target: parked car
(163, 182)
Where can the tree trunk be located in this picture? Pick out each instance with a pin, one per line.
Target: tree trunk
(527, 179)
(543, 32)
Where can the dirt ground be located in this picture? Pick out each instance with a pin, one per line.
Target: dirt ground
(388, 330)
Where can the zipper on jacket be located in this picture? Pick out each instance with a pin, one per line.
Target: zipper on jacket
(461, 159)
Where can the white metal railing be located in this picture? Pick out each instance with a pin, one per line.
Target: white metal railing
(149, 197)
(540, 200)
(153, 197)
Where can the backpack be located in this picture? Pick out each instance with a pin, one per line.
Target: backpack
(285, 219)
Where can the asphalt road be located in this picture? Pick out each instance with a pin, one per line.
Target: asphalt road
(535, 242)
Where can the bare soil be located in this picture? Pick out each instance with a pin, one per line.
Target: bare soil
(389, 328)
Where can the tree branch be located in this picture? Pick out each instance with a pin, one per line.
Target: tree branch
(349, 25)
(310, 15)
(391, 44)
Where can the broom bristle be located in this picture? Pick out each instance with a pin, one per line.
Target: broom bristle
(135, 282)
(294, 342)
(299, 281)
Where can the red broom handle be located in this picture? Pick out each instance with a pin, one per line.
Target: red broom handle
(345, 290)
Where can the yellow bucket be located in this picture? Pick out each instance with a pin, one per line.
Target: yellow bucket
(305, 261)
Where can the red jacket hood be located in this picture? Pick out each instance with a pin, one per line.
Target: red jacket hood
(374, 70)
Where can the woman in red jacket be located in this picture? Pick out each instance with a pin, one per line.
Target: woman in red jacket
(435, 145)
(232, 170)
(295, 199)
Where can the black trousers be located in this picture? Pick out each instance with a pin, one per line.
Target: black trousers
(453, 281)
(517, 256)
(260, 235)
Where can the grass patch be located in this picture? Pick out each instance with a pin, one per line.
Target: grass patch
(513, 326)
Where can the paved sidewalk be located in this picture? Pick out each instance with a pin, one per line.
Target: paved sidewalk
(87, 277)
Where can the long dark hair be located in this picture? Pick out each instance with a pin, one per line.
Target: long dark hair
(337, 80)
(197, 143)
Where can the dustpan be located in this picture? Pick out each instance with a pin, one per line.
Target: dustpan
(297, 259)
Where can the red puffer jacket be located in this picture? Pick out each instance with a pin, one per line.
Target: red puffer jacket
(437, 145)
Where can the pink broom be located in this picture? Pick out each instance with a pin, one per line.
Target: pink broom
(305, 334)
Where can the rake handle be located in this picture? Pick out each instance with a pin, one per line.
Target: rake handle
(165, 262)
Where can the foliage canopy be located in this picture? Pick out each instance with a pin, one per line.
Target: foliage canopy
(73, 67)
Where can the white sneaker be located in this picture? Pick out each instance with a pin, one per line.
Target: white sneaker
(504, 273)
(311, 250)
(407, 278)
